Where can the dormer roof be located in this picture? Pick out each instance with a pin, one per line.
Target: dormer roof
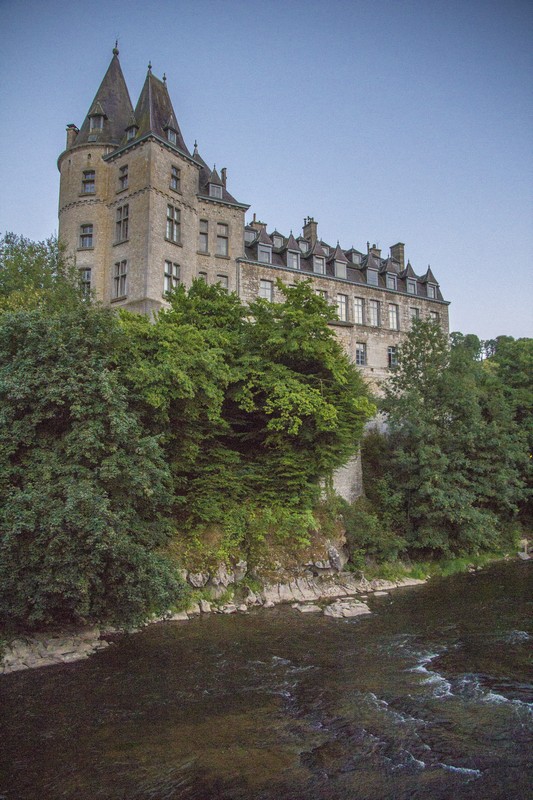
(338, 255)
(429, 277)
(292, 244)
(214, 177)
(154, 112)
(112, 101)
(264, 238)
(408, 272)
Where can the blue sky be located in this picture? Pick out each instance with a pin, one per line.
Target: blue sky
(385, 121)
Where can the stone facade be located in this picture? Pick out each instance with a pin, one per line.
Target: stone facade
(140, 213)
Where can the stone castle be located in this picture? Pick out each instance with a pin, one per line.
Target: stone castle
(142, 213)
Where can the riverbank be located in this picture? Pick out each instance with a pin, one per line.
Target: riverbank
(340, 595)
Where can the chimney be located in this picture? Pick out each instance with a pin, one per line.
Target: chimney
(257, 224)
(310, 230)
(223, 172)
(72, 132)
(376, 251)
(397, 252)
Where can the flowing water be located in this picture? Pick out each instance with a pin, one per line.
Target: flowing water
(430, 697)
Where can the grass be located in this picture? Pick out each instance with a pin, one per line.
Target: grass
(396, 570)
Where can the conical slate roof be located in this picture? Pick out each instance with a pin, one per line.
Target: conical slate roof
(154, 112)
(112, 101)
(338, 255)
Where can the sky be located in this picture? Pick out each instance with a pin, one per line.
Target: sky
(406, 120)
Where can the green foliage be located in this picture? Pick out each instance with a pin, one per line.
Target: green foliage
(83, 489)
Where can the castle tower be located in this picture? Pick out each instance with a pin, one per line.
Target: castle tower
(137, 210)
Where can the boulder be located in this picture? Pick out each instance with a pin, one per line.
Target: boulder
(240, 570)
(198, 579)
(222, 577)
(337, 558)
(307, 608)
(205, 606)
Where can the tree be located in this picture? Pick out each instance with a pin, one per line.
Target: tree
(455, 450)
(84, 490)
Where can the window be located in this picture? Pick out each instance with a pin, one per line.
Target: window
(360, 354)
(433, 317)
(414, 313)
(122, 223)
(342, 307)
(123, 178)
(249, 236)
(131, 132)
(278, 241)
(392, 356)
(88, 184)
(223, 282)
(325, 248)
(394, 317)
(340, 270)
(120, 276)
(293, 259)
(356, 258)
(96, 123)
(391, 281)
(202, 276)
(173, 224)
(431, 291)
(411, 286)
(85, 278)
(171, 277)
(266, 290)
(203, 240)
(372, 277)
(171, 136)
(222, 239)
(321, 293)
(86, 236)
(319, 265)
(304, 246)
(215, 191)
(359, 310)
(264, 254)
(373, 312)
(175, 179)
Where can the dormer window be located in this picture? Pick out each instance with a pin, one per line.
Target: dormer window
(431, 291)
(215, 191)
(131, 132)
(293, 259)
(391, 281)
(340, 270)
(172, 136)
(304, 246)
(372, 277)
(325, 248)
(411, 286)
(356, 258)
(319, 265)
(96, 123)
(249, 236)
(278, 241)
(264, 254)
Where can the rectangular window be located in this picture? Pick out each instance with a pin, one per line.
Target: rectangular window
(88, 184)
(360, 354)
(391, 281)
(372, 277)
(293, 260)
(222, 239)
(120, 277)
(394, 317)
(131, 133)
(123, 178)
(342, 307)
(249, 236)
(171, 276)
(202, 276)
(373, 313)
(86, 236)
(359, 310)
(215, 191)
(85, 278)
(431, 291)
(223, 282)
(175, 179)
(173, 223)
(171, 136)
(411, 286)
(264, 254)
(414, 313)
(340, 270)
(322, 293)
(122, 223)
(319, 265)
(266, 290)
(433, 316)
(304, 246)
(203, 239)
(96, 123)
(392, 356)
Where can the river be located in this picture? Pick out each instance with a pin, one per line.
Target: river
(429, 697)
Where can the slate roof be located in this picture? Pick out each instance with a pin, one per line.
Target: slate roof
(112, 100)
(208, 176)
(154, 112)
